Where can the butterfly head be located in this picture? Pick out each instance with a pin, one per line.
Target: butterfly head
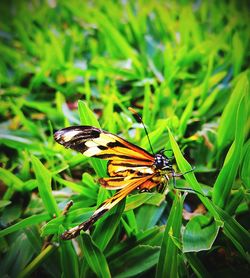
(162, 162)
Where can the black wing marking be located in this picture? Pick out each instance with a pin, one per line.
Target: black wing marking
(95, 142)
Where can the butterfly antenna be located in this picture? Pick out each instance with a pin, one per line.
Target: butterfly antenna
(139, 120)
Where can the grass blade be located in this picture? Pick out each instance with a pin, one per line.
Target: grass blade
(32, 220)
(229, 121)
(68, 258)
(88, 118)
(108, 226)
(190, 177)
(94, 257)
(168, 260)
(43, 177)
(227, 175)
(135, 261)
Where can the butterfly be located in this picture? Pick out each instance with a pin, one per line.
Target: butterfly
(129, 166)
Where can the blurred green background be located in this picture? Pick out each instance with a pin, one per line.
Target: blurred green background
(184, 66)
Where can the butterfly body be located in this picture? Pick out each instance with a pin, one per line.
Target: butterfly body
(162, 162)
(130, 167)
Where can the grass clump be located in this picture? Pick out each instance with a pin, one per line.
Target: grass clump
(184, 67)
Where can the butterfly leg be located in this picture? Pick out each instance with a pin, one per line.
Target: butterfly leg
(161, 187)
(184, 188)
(182, 174)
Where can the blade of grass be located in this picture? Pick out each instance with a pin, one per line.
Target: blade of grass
(11, 180)
(32, 220)
(229, 121)
(68, 258)
(153, 213)
(131, 225)
(87, 117)
(137, 200)
(30, 268)
(72, 219)
(190, 177)
(135, 261)
(146, 105)
(239, 236)
(94, 257)
(108, 227)
(226, 177)
(118, 43)
(167, 264)
(28, 124)
(197, 265)
(43, 177)
(74, 186)
(185, 117)
(245, 170)
(4, 203)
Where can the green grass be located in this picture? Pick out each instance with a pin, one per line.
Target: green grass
(184, 67)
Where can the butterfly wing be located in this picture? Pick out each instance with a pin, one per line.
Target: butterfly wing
(130, 185)
(129, 166)
(94, 142)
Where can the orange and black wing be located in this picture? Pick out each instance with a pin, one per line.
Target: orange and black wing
(125, 158)
(129, 166)
(128, 186)
(94, 142)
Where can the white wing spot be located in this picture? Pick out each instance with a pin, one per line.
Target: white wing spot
(103, 140)
(92, 151)
(91, 143)
(66, 137)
